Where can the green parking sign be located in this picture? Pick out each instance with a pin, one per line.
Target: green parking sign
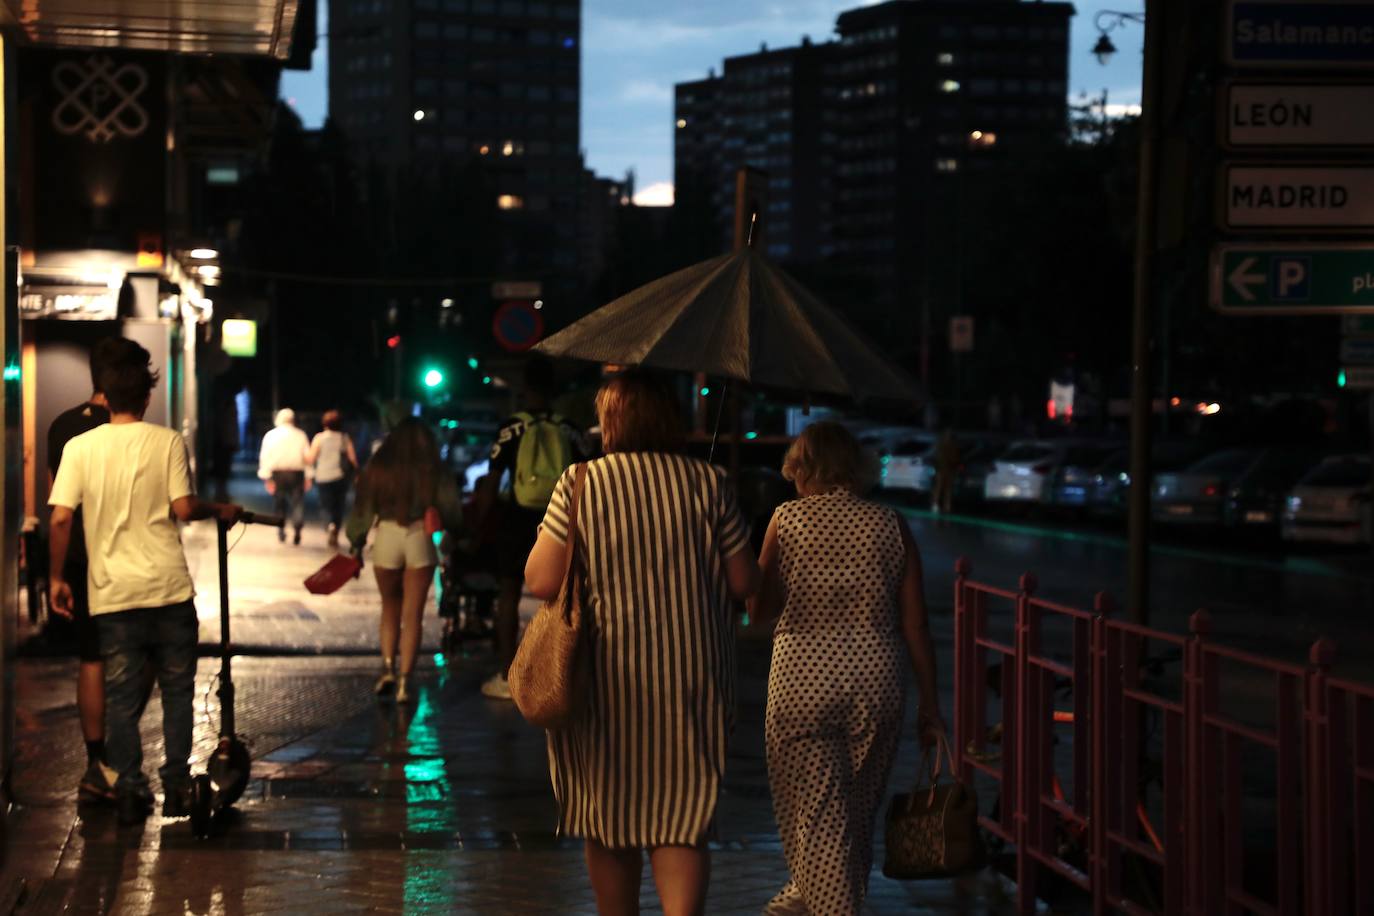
(1298, 279)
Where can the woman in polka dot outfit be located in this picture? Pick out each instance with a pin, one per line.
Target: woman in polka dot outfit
(843, 577)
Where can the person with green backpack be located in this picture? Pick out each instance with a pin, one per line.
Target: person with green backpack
(532, 450)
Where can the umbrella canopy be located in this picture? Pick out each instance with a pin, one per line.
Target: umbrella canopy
(736, 316)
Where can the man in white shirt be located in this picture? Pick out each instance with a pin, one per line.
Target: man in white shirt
(132, 481)
(284, 466)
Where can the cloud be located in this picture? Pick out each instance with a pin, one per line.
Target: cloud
(659, 194)
(645, 91)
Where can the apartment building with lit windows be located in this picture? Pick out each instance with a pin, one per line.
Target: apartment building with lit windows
(426, 86)
(868, 138)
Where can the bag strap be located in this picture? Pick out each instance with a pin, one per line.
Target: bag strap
(579, 484)
(932, 769)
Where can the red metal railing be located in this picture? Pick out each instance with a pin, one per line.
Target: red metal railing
(1171, 839)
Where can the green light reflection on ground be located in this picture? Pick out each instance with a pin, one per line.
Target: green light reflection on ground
(427, 889)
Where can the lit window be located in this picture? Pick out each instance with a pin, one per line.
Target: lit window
(681, 123)
(982, 139)
(510, 201)
(483, 149)
(944, 59)
(949, 86)
(946, 165)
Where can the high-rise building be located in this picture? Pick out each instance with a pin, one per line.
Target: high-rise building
(431, 86)
(869, 140)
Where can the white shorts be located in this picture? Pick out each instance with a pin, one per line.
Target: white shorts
(403, 547)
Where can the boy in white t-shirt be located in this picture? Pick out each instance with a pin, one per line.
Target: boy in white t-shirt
(133, 483)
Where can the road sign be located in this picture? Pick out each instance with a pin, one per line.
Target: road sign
(1298, 115)
(517, 325)
(1355, 325)
(517, 289)
(1311, 34)
(1359, 378)
(961, 334)
(1357, 351)
(1303, 196)
(1293, 279)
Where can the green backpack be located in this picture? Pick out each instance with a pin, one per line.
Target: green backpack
(545, 452)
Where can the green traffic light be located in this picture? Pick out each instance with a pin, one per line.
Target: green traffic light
(486, 380)
(705, 392)
(1340, 379)
(434, 378)
(472, 362)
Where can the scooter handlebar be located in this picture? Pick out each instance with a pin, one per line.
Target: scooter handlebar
(272, 521)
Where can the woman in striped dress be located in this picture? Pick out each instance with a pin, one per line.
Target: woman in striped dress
(665, 550)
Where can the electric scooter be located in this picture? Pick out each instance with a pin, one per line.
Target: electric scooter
(226, 776)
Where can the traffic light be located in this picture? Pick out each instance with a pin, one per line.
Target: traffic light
(1340, 379)
(472, 363)
(433, 378)
(393, 341)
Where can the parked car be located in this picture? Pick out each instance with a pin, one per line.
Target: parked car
(1073, 481)
(909, 465)
(1331, 503)
(1240, 487)
(1111, 484)
(1023, 473)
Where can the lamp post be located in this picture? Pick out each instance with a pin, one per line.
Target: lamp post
(1144, 291)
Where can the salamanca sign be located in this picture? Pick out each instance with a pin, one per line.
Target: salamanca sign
(1298, 33)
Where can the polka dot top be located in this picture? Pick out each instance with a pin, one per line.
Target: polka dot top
(841, 561)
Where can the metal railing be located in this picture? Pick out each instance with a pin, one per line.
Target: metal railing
(1143, 792)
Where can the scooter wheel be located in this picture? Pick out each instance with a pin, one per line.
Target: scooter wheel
(202, 799)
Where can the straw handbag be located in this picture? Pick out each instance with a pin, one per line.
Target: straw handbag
(549, 676)
(933, 831)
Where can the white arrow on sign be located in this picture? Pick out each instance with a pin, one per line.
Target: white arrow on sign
(1241, 280)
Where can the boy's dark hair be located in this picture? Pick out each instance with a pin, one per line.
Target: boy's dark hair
(539, 376)
(128, 379)
(108, 351)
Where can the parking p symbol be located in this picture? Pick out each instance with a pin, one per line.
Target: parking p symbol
(1290, 278)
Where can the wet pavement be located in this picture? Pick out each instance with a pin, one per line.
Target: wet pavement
(361, 806)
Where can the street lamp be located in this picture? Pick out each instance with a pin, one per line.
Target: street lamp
(1106, 21)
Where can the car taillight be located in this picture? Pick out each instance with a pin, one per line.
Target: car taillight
(1042, 469)
(1211, 490)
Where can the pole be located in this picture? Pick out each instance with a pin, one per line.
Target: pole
(1142, 395)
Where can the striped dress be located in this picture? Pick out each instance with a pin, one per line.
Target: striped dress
(643, 766)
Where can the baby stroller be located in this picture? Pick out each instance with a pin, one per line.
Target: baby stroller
(468, 588)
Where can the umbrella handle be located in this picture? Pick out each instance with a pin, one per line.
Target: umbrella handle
(720, 409)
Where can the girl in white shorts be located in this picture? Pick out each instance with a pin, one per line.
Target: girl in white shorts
(402, 482)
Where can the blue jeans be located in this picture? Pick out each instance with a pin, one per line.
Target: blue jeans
(289, 500)
(129, 641)
(334, 499)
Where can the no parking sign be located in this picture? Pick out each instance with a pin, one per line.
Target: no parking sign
(517, 325)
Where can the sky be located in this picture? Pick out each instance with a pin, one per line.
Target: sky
(634, 51)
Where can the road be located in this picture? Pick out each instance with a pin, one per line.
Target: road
(1258, 598)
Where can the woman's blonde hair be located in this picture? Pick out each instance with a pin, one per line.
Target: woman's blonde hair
(826, 456)
(638, 413)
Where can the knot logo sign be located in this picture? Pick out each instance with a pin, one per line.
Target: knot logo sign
(99, 99)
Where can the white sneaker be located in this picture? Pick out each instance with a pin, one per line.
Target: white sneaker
(496, 687)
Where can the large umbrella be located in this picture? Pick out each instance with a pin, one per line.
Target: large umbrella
(736, 316)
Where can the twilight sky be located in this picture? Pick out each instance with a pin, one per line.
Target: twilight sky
(633, 51)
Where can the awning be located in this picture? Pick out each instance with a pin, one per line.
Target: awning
(248, 27)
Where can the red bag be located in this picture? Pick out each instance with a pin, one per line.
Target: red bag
(334, 575)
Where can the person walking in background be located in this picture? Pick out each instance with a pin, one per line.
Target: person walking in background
(98, 782)
(532, 449)
(665, 550)
(334, 461)
(842, 577)
(398, 488)
(284, 466)
(947, 461)
(132, 481)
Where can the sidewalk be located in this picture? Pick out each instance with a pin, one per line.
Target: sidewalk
(356, 806)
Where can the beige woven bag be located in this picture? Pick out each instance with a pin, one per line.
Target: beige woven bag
(549, 676)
